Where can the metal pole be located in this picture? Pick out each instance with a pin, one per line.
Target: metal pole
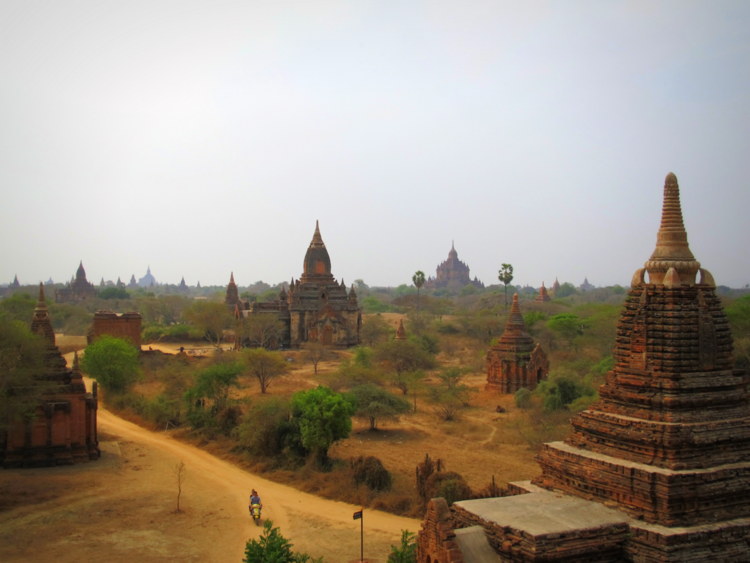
(362, 538)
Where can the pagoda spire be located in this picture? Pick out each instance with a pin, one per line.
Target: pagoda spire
(672, 251)
(317, 240)
(515, 319)
(41, 323)
(400, 331)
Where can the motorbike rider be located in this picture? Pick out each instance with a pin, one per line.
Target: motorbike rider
(254, 499)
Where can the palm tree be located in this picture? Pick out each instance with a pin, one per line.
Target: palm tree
(505, 275)
(418, 279)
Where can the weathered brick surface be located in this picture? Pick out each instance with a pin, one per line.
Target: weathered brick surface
(120, 325)
(63, 429)
(515, 360)
(316, 308)
(668, 442)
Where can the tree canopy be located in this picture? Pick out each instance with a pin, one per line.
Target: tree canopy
(214, 382)
(324, 417)
(21, 359)
(272, 547)
(113, 362)
(264, 365)
(403, 357)
(375, 403)
(211, 318)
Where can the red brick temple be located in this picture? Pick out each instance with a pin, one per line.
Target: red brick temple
(515, 360)
(64, 428)
(120, 325)
(316, 307)
(543, 295)
(658, 469)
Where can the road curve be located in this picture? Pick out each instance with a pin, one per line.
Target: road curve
(316, 526)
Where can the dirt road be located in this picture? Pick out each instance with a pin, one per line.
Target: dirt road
(122, 508)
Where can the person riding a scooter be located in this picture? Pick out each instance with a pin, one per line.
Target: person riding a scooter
(255, 501)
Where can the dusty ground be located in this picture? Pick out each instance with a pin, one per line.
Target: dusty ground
(122, 507)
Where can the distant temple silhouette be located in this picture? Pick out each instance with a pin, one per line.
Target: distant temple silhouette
(78, 289)
(452, 274)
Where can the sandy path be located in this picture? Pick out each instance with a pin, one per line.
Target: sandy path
(317, 526)
(121, 508)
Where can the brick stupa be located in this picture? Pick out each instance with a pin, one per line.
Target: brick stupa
(658, 469)
(515, 360)
(63, 428)
(543, 295)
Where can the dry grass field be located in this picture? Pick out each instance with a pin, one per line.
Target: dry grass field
(80, 511)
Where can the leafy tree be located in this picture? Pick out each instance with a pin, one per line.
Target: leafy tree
(264, 331)
(407, 551)
(272, 547)
(18, 307)
(113, 362)
(324, 417)
(214, 383)
(264, 365)
(211, 318)
(315, 352)
(418, 279)
(567, 325)
(375, 403)
(559, 392)
(164, 310)
(566, 289)
(450, 394)
(374, 329)
(266, 430)
(114, 293)
(505, 275)
(405, 358)
(21, 359)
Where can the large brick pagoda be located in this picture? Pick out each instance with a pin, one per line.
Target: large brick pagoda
(665, 451)
(316, 308)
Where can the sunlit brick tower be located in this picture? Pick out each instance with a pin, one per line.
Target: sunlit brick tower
(669, 440)
(658, 469)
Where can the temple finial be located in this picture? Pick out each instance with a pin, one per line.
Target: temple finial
(672, 250)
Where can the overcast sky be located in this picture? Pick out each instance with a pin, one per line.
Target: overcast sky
(207, 137)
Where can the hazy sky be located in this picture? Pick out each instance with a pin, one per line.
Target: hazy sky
(205, 137)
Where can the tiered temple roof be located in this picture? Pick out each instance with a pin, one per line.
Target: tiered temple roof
(666, 448)
(316, 307)
(515, 360)
(452, 274)
(673, 402)
(63, 429)
(542, 296)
